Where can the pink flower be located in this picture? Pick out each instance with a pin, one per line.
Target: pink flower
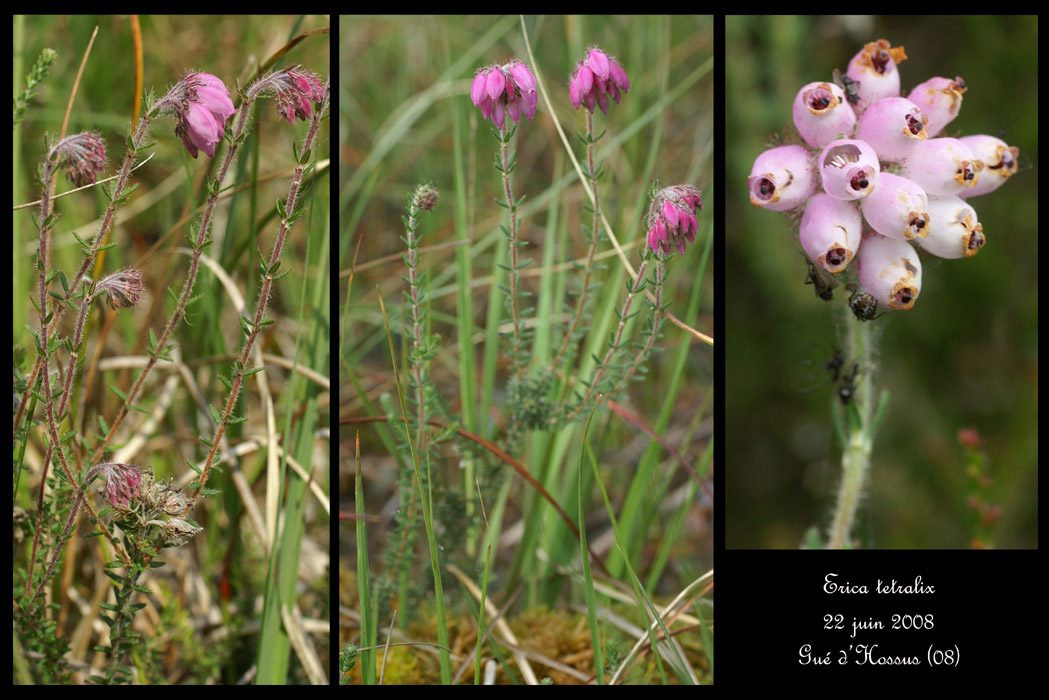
(782, 178)
(502, 90)
(83, 156)
(672, 218)
(597, 76)
(830, 231)
(822, 114)
(848, 169)
(202, 106)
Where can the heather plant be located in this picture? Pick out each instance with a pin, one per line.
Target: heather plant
(567, 342)
(879, 179)
(183, 395)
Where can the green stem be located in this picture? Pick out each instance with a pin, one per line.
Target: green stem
(859, 435)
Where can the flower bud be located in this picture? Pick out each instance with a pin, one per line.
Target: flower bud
(83, 156)
(782, 178)
(1000, 162)
(822, 115)
(830, 231)
(897, 208)
(848, 169)
(892, 126)
(123, 288)
(954, 231)
(940, 99)
(672, 218)
(942, 166)
(426, 197)
(597, 77)
(890, 271)
(122, 484)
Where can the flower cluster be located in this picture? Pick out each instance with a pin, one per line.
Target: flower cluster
(502, 90)
(877, 175)
(83, 156)
(296, 89)
(672, 218)
(596, 77)
(202, 105)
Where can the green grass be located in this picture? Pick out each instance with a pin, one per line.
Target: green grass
(406, 119)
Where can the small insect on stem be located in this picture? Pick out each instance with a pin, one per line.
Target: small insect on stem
(850, 87)
(823, 281)
(862, 303)
(847, 388)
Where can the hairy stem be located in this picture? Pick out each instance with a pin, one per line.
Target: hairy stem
(617, 340)
(517, 361)
(859, 440)
(589, 266)
(267, 283)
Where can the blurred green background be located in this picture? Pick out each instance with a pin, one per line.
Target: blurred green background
(964, 357)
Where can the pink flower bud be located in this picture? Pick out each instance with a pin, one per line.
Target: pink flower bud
(830, 231)
(122, 484)
(954, 231)
(940, 99)
(942, 166)
(782, 178)
(496, 83)
(1000, 162)
(892, 126)
(890, 271)
(848, 169)
(599, 63)
(477, 91)
(897, 208)
(874, 67)
(822, 115)
(523, 77)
